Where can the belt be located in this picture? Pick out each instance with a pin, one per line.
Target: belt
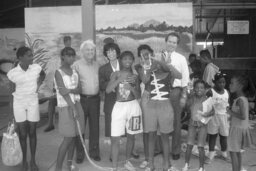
(126, 101)
(89, 96)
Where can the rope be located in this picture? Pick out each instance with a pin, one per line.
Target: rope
(86, 152)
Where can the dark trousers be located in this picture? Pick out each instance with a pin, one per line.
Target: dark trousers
(212, 142)
(175, 95)
(91, 108)
(108, 124)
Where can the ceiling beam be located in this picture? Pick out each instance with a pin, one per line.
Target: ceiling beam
(13, 8)
(225, 6)
(222, 16)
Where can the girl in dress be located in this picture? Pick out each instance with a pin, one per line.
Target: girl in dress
(69, 107)
(219, 124)
(239, 135)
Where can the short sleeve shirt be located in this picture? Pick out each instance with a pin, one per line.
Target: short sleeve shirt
(25, 81)
(89, 76)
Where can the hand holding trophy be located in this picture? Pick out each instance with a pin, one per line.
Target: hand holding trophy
(146, 62)
(165, 57)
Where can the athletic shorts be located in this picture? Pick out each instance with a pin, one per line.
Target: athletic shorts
(219, 125)
(126, 116)
(158, 115)
(26, 109)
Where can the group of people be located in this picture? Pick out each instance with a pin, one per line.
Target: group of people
(146, 98)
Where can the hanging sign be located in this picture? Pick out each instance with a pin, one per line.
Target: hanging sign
(238, 27)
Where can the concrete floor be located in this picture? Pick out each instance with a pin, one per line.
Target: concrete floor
(48, 144)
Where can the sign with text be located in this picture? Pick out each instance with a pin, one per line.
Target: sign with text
(238, 27)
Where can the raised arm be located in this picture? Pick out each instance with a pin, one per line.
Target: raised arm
(144, 75)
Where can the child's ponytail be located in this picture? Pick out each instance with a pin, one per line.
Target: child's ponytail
(247, 83)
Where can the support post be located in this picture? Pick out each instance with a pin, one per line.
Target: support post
(88, 20)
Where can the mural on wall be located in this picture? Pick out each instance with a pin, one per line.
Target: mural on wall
(132, 25)
(10, 40)
(128, 25)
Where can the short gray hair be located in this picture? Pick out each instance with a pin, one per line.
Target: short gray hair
(86, 43)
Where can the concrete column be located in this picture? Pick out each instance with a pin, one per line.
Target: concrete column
(88, 20)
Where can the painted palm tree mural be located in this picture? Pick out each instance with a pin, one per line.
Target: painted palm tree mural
(39, 53)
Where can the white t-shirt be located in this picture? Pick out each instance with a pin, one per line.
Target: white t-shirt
(25, 81)
(209, 73)
(220, 102)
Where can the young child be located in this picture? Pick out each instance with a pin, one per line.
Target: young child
(126, 114)
(239, 135)
(219, 123)
(197, 125)
(69, 107)
(25, 80)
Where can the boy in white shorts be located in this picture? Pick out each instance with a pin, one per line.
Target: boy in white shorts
(126, 114)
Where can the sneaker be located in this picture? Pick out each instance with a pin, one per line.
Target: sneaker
(211, 155)
(144, 164)
(172, 168)
(195, 151)
(201, 169)
(224, 154)
(227, 159)
(243, 169)
(149, 169)
(128, 165)
(185, 168)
